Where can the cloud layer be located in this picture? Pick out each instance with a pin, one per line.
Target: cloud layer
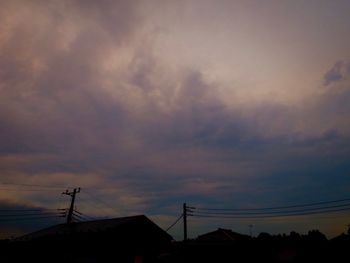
(86, 100)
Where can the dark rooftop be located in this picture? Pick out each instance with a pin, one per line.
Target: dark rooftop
(96, 226)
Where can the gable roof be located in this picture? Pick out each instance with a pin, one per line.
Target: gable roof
(222, 235)
(132, 223)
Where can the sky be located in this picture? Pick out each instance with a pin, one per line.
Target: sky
(146, 105)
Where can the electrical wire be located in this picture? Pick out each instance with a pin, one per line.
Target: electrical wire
(83, 215)
(24, 215)
(274, 208)
(25, 190)
(78, 216)
(30, 218)
(97, 205)
(173, 224)
(101, 201)
(90, 201)
(275, 212)
(269, 215)
(26, 210)
(35, 185)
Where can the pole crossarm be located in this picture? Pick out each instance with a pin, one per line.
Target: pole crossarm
(71, 208)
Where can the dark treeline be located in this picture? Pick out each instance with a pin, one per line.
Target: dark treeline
(218, 246)
(313, 247)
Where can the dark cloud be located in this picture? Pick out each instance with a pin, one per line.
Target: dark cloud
(14, 218)
(53, 97)
(338, 72)
(87, 101)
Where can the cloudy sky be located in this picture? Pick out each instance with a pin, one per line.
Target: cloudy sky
(149, 104)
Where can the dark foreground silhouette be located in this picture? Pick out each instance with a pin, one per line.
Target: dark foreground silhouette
(138, 240)
(313, 247)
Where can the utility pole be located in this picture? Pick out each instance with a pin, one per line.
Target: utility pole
(71, 208)
(185, 214)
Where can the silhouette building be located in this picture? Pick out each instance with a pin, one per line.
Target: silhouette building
(128, 239)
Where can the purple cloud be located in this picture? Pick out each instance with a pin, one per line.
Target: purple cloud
(338, 72)
(87, 101)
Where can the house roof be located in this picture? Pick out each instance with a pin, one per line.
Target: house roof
(132, 223)
(222, 235)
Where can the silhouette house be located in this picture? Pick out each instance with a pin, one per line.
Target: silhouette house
(221, 245)
(127, 239)
(222, 236)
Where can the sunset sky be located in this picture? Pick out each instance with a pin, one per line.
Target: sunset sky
(149, 104)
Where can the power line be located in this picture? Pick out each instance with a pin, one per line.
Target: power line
(83, 215)
(173, 224)
(273, 208)
(25, 190)
(100, 201)
(57, 187)
(275, 212)
(60, 202)
(86, 198)
(30, 218)
(78, 216)
(76, 211)
(25, 210)
(269, 215)
(35, 185)
(25, 215)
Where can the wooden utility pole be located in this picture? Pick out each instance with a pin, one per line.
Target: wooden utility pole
(185, 220)
(71, 208)
(187, 211)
